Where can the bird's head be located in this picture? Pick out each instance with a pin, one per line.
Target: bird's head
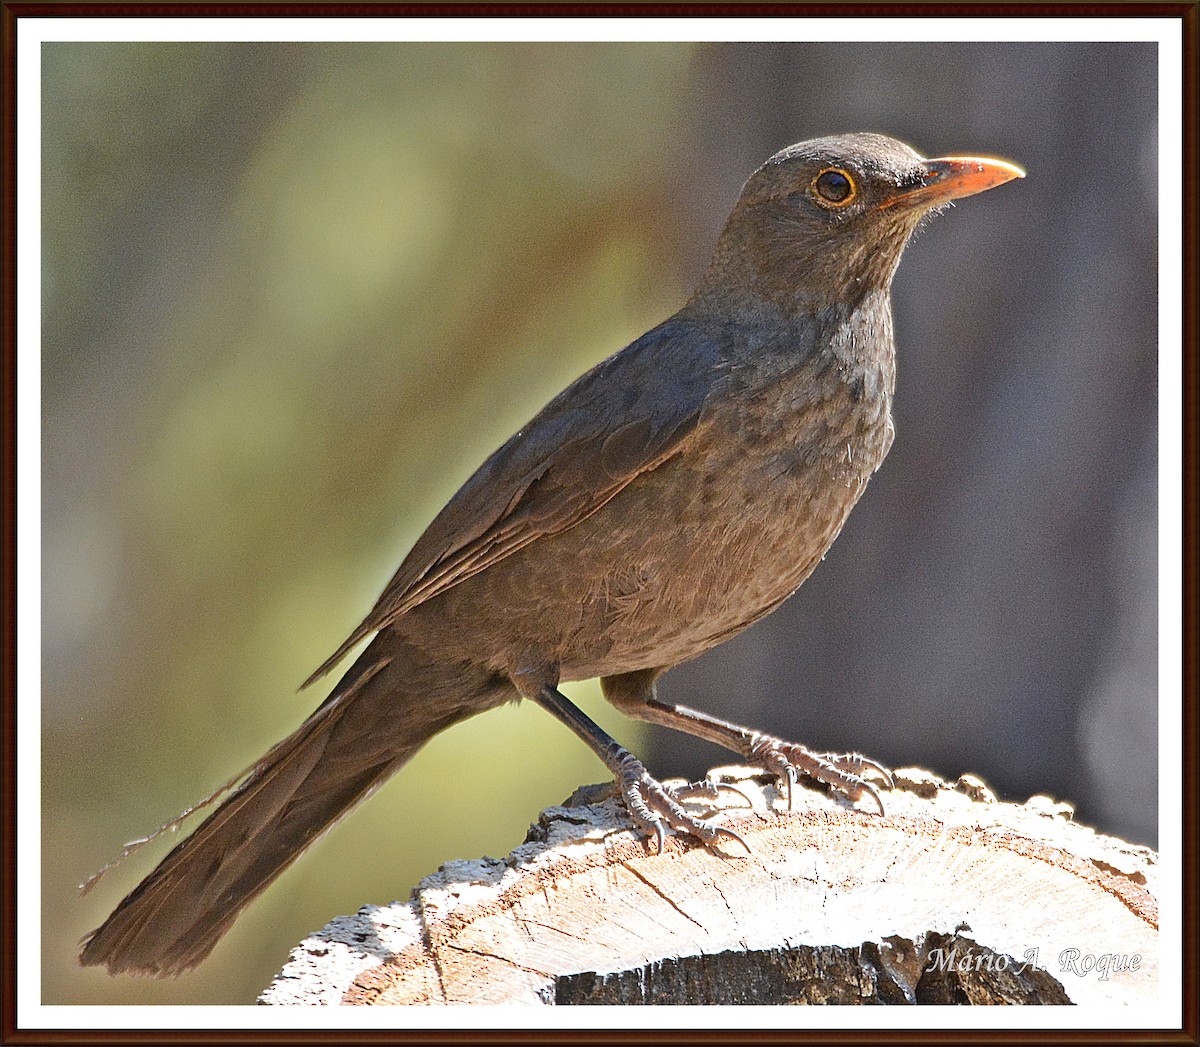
(825, 221)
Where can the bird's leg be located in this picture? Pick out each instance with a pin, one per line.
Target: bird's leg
(633, 694)
(652, 805)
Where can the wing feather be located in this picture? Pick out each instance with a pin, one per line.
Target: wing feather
(624, 417)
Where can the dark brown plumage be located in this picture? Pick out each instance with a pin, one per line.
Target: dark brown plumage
(664, 501)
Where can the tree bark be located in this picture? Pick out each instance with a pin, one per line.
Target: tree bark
(951, 897)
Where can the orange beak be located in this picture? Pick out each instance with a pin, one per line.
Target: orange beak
(951, 177)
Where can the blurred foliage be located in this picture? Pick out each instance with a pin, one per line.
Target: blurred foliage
(293, 294)
(336, 313)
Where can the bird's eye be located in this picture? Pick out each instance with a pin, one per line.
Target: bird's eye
(835, 187)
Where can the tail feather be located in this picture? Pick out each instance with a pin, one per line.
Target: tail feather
(172, 920)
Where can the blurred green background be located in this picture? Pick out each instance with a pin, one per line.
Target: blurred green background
(293, 294)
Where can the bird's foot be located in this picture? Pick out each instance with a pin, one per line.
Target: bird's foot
(655, 807)
(843, 773)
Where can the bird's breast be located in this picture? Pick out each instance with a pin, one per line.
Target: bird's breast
(722, 533)
(692, 551)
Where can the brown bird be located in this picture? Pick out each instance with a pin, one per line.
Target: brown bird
(663, 502)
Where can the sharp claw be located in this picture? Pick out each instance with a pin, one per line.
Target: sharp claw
(720, 830)
(735, 789)
(884, 773)
(871, 791)
(865, 764)
(793, 780)
(661, 835)
(693, 792)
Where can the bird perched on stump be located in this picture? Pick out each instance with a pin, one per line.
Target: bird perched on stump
(664, 501)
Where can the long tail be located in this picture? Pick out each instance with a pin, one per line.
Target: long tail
(371, 724)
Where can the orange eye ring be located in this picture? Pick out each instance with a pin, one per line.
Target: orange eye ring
(834, 187)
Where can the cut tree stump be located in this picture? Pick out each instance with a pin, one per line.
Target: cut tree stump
(952, 897)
